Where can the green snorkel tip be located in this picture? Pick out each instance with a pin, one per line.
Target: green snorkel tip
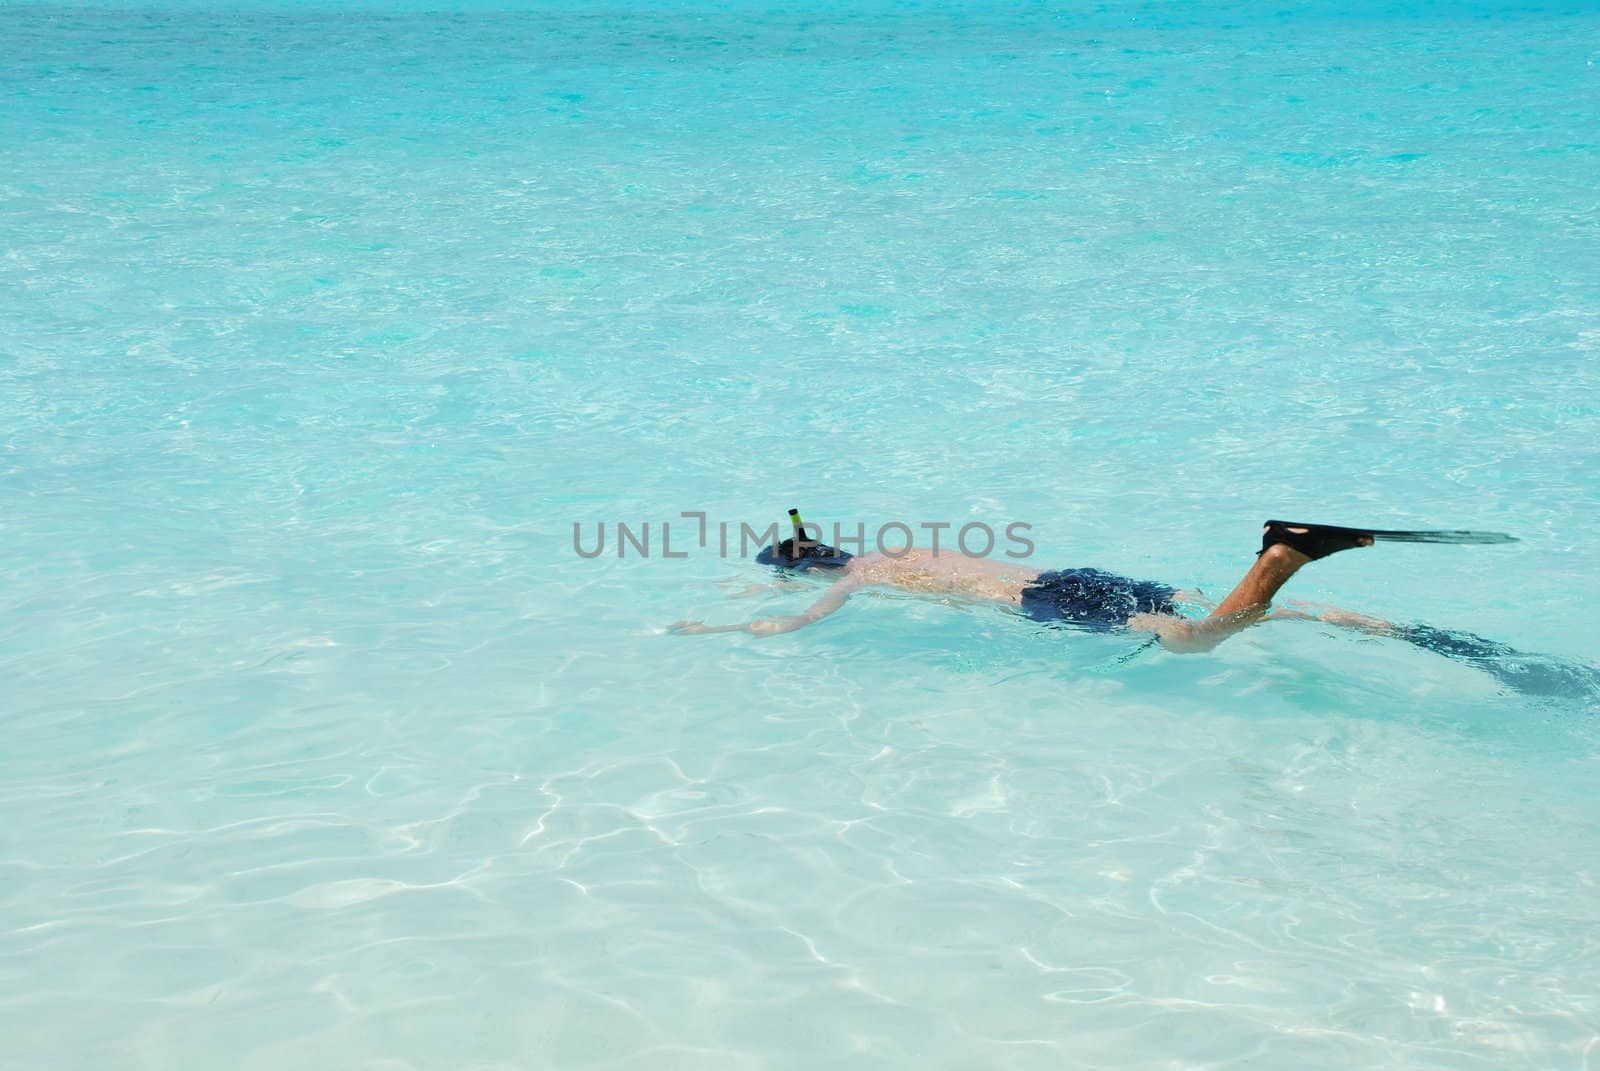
(799, 528)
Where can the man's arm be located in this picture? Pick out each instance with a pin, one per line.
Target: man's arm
(831, 600)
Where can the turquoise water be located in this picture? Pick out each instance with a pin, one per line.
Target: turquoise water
(322, 328)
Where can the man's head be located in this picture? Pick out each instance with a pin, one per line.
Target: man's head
(800, 552)
(803, 555)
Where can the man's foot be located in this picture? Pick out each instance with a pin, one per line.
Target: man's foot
(1320, 540)
(1313, 540)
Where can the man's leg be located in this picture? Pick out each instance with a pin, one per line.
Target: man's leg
(1251, 598)
(1247, 603)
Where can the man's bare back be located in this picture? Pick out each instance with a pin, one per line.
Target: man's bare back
(953, 575)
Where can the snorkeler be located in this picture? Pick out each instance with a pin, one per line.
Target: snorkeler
(1097, 601)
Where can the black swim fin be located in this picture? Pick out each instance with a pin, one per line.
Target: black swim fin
(1452, 535)
(1320, 540)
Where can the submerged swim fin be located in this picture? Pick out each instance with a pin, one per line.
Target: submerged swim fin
(1320, 540)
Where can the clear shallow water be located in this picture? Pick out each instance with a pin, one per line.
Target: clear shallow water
(322, 329)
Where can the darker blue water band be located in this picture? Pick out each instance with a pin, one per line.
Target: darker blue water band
(1531, 674)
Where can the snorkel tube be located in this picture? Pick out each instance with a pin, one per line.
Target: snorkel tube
(798, 552)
